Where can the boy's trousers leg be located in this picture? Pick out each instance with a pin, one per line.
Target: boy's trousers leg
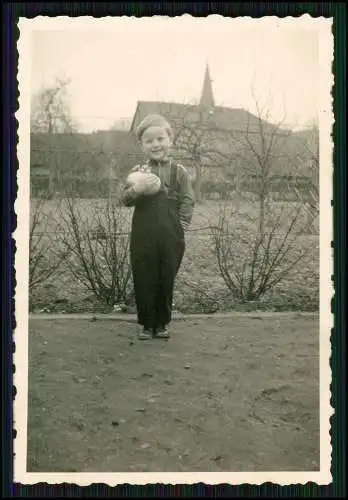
(170, 258)
(144, 259)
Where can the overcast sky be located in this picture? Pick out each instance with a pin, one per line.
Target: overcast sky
(164, 59)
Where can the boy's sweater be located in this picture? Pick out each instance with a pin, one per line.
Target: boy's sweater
(183, 188)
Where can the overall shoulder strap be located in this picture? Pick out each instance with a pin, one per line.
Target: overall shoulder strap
(173, 176)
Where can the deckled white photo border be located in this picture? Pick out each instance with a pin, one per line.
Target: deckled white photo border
(21, 236)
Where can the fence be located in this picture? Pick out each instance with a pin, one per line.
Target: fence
(278, 188)
(94, 259)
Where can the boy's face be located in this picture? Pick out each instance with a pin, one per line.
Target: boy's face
(155, 143)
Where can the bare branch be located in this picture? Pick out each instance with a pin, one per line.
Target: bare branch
(99, 249)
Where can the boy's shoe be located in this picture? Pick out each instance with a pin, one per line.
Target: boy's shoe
(162, 332)
(145, 334)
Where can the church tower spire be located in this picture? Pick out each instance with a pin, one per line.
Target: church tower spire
(207, 97)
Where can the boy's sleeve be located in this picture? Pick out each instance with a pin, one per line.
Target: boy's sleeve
(187, 198)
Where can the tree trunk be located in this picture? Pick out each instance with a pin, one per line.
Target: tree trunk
(198, 182)
(263, 200)
(50, 159)
(262, 214)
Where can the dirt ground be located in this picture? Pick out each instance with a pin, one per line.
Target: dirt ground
(230, 394)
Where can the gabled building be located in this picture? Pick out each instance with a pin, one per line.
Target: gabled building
(205, 113)
(216, 137)
(213, 142)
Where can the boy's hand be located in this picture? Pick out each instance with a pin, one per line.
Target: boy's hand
(129, 192)
(129, 196)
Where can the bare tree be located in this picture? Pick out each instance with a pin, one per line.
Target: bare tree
(189, 139)
(308, 141)
(255, 155)
(262, 145)
(50, 114)
(50, 110)
(194, 141)
(257, 249)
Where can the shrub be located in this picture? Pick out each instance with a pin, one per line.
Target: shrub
(253, 259)
(97, 242)
(44, 263)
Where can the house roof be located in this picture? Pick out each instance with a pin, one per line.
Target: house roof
(222, 118)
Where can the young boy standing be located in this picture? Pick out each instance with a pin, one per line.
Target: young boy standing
(159, 221)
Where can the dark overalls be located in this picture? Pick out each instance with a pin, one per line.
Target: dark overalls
(157, 247)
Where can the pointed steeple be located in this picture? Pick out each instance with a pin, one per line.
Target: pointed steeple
(207, 97)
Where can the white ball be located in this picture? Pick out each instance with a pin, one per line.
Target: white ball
(144, 182)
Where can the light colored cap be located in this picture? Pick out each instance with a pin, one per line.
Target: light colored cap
(152, 121)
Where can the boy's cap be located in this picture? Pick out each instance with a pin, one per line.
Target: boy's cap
(152, 121)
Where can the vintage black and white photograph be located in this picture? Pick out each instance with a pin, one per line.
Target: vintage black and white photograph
(173, 257)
